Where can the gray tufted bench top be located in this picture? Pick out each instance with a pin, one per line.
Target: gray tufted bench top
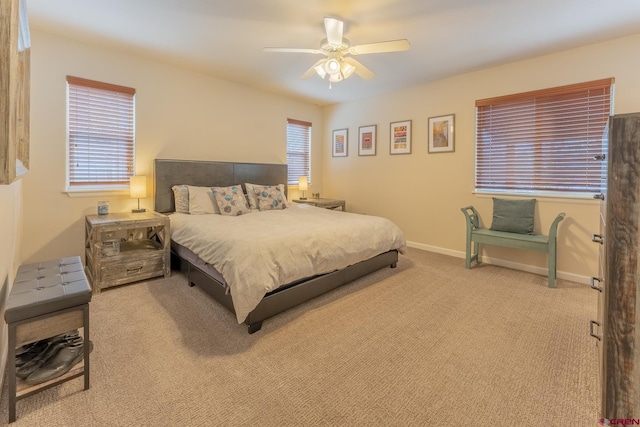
(46, 287)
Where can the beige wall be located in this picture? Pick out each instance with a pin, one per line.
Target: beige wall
(10, 245)
(188, 115)
(179, 114)
(423, 193)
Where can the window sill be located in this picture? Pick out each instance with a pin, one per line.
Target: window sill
(97, 192)
(551, 197)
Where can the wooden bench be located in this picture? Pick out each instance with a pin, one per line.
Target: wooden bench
(534, 242)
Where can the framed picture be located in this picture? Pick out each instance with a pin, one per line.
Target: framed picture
(367, 140)
(340, 142)
(441, 137)
(400, 142)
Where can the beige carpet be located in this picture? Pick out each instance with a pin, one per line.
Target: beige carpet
(428, 343)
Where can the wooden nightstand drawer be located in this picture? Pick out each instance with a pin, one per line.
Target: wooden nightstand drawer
(113, 274)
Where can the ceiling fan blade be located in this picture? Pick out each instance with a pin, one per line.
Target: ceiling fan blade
(334, 29)
(312, 70)
(388, 46)
(290, 50)
(360, 69)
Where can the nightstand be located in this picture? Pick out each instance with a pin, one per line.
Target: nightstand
(126, 247)
(324, 203)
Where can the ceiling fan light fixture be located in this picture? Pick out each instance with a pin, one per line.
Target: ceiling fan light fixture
(337, 77)
(332, 66)
(320, 70)
(347, 69)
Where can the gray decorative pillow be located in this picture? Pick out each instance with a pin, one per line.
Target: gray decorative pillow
(252, 195)
(181, 196)
(270, 198)
(514, 216)
(231, 200)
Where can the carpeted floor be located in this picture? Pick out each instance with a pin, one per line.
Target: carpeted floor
(427, 343)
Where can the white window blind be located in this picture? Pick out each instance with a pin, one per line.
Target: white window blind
(101, 128)
(543, 141)
(298, 150)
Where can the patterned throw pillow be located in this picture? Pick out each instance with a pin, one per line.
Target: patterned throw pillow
(231, 200)
(252, 195)
(181, 196)
(270, 198)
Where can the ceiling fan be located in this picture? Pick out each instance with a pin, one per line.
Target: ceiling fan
(337, 64)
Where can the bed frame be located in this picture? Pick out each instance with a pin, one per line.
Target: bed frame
(222, 174)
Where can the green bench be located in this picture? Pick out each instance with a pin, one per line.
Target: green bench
(534, 242)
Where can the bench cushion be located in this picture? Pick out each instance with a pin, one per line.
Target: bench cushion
(43, 288)
(514, 216)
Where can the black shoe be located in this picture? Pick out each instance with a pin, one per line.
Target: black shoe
(28, 347)
(58, 365)
(29, 351)
(54, 344)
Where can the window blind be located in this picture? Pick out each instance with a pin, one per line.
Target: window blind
(298, 150)
(101, 127)
(543, 141)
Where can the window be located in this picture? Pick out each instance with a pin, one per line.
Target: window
(100, 129)
(298, 150)
(543, 141)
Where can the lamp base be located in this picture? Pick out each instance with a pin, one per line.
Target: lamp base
(138, 210)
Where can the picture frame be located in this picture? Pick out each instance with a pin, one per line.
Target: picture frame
(340, 143)
(441, 134)
(400, 140)
(367, 140)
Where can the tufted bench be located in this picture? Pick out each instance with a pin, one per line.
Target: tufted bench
(47, 299)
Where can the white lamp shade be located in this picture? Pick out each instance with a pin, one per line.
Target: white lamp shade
(320, 70)
(303, 183)
(347, 70)
(138, 187)
(337, 77)
(332, 66)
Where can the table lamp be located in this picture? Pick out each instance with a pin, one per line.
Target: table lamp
(138, 190)
(303, 185)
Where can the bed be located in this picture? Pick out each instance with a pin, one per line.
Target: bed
(236, 272)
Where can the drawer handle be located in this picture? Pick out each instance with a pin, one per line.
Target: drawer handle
(592, 283)
(134, 270)
(591, 323)
(598, 196)
(597, 238)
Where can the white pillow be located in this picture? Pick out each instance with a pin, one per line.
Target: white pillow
(201, 201)
(252, 195)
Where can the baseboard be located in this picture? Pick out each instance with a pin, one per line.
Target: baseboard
(502, 263)
(4, 355)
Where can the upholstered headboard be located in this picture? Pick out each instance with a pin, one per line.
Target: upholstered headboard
(210, 174)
